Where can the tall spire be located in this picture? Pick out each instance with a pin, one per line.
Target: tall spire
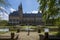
(20, 6)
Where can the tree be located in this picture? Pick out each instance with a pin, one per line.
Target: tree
(50, 9)
(58, 24)
(3, 4)
(3, 23)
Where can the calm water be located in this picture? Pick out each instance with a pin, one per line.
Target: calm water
(4, 30)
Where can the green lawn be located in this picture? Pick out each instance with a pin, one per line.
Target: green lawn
(3, 32)
(24, 27)
(50, 33)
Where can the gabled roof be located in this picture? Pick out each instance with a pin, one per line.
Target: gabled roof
(15, 13)
(32, 15)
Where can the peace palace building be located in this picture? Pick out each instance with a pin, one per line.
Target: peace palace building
(20, 18)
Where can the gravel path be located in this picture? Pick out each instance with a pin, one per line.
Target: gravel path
(24, 36)
(32, 36)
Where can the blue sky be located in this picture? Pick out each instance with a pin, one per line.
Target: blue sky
(28, 5)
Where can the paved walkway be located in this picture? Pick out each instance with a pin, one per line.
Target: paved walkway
(24, 36)
(32, 36)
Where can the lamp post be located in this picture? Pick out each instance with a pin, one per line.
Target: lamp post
(28, 31)
(46, 33)
(39, 29)
(18, 29)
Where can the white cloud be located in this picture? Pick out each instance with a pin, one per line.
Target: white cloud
(3, 14)
(34, 11)
(2, 8)
(11, 10)
(28, 12)
(40, 11)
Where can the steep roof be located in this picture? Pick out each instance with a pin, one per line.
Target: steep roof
(32, 15)
(15, 13)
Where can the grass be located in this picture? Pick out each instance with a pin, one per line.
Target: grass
(28, 26)
(7, 32)
(50, 33)
(3, 32)
(52, 26)
(34, 27)
(24, 27)
(53, 33)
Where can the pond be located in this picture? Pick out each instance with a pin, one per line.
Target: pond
(4, 30)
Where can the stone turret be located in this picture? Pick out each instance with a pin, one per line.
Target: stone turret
(20, 10)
